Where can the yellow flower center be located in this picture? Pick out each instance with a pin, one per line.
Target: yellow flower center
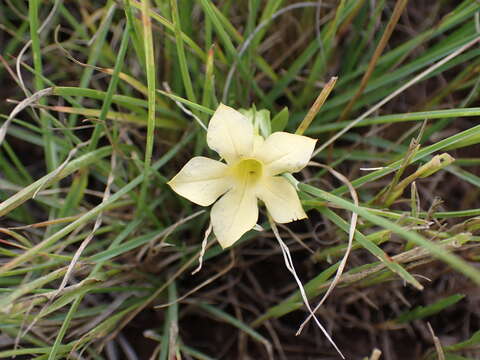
(248, 171)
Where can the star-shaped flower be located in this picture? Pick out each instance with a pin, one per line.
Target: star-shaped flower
(251, 172)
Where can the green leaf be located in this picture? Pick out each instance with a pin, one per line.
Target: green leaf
(433, 248)
(473, 341)
(280, 121)
(421, 312)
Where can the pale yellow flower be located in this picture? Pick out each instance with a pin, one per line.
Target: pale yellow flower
(251, 172)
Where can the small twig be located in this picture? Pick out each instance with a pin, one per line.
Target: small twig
(414, 256)
(9, 70)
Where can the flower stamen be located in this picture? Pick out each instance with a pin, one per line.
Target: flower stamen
(248, 171)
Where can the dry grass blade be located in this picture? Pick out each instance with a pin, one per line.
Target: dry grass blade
(157, 292)
(376, 354)
(351, 234)
(203, 284)
(317, 105)
(96, 226)
(204, 247)
(413, 81)
(81, 248)
(436, 341)
(183, 108)
(20, 106)
(248, 41)
(59, 169)
(397, 12)
(291, 268)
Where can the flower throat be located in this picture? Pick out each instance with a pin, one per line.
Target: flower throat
(248, 170)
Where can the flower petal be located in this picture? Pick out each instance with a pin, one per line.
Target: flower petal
(284, 152)
(281, 199)
(202, 180)
(233, 215)
(230, 134)
(258, 142)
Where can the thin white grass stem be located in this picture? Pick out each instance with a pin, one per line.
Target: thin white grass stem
(203, 284)
(437, 343)
(397, 92)
(98, 223)
(371, 168)
(204, 247)
(81, 248)
(22, 105)
(18, 68)
(351, 234)
(119, 300)
(103, 24)
(127, 348)
(289, 264)
(42, 27)
(165, 234)
(49, 17)
(375, 354)
(62, 166)
(183, 108)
